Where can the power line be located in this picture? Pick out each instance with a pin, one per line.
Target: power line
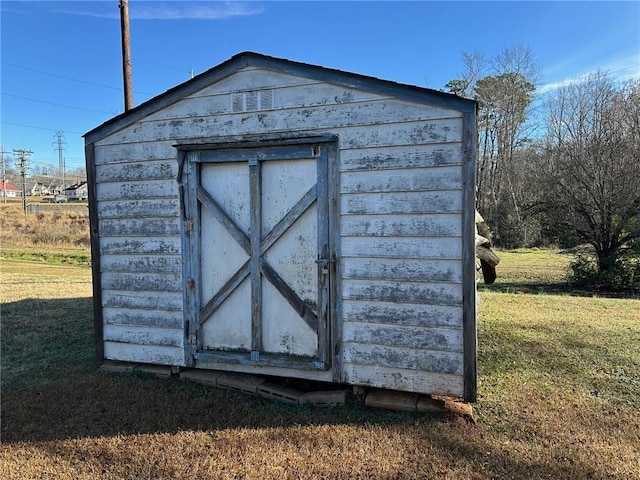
(67, 78)
(91, 49)
(55, 104)
(38, 128)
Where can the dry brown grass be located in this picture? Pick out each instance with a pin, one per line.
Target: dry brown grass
(559, 386)
(59, 228)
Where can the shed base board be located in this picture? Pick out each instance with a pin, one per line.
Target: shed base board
(260, 386)
(413, 402)
(312, 375)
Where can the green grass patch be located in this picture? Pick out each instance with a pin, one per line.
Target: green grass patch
(559, 397)
(47, 322)
(79, 257)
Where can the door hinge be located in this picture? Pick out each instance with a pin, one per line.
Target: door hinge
(188, 226)
(191, 283)
(191, 340)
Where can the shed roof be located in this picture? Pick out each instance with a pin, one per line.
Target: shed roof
(245, 59)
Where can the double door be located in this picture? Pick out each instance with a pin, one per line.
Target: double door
(258, 226)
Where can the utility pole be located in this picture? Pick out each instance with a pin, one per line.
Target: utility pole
(23, 159)
(126, 54)
(4, 174)
(60, 148)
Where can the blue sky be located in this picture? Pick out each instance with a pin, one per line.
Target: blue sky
(61, 67)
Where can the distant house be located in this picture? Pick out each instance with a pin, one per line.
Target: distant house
(55, 189)
(37, 188)
(77, 191)
(9, 190)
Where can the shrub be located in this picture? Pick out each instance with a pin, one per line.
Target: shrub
(623, 274)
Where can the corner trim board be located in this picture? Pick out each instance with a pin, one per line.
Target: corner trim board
(469, 319)
(98, 324)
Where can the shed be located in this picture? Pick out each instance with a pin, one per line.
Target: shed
(285, 219)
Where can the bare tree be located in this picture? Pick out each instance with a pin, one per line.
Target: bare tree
(592, 162)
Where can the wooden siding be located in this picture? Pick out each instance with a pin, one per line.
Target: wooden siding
(140, 253)
(400, 178)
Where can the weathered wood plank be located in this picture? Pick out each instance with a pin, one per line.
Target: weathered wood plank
(403, 358)
(255, 233)
(406, 133)
(323, 114)
(137, 171)
(403, 292)
(223, 217)
(138, 190)
(470, 135)
(225, 292)
(289, 219)
(108, 152)
(144, 318)
(300, 307)
(394, 378)
(286, 96)
(402, 269)
(140, 227)
(169, 301)
(197, 105)
(287, 372)
(89, 152)
(399, 203)
(157, 208)
(402, 314)
(143, 335)
(407, 180)
(439, 225)
(402, 247)
(438, 339)
(317, 94)
(251, 78)
(140, 246)
(141, 264)
(129, 352)
(142, 282)
(400, 157)
(364, 132)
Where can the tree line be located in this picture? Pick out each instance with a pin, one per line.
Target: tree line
(560, 167)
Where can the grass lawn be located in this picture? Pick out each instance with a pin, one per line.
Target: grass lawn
(559, 385)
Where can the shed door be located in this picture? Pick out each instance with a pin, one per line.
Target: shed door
(262, 256)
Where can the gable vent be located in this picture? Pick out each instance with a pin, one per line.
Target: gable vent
(252, 100)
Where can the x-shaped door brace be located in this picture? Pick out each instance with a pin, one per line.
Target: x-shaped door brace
(256, 247)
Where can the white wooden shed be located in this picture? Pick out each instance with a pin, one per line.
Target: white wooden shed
(286, 219)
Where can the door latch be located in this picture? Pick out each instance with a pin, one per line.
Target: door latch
(324, 264)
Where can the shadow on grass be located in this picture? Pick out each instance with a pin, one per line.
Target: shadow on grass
(98, 405)
(560, 288)
(55, 392)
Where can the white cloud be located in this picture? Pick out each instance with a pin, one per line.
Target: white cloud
(622, 68)
(152, 10)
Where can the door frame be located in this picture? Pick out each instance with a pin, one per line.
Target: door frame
(190, 157)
